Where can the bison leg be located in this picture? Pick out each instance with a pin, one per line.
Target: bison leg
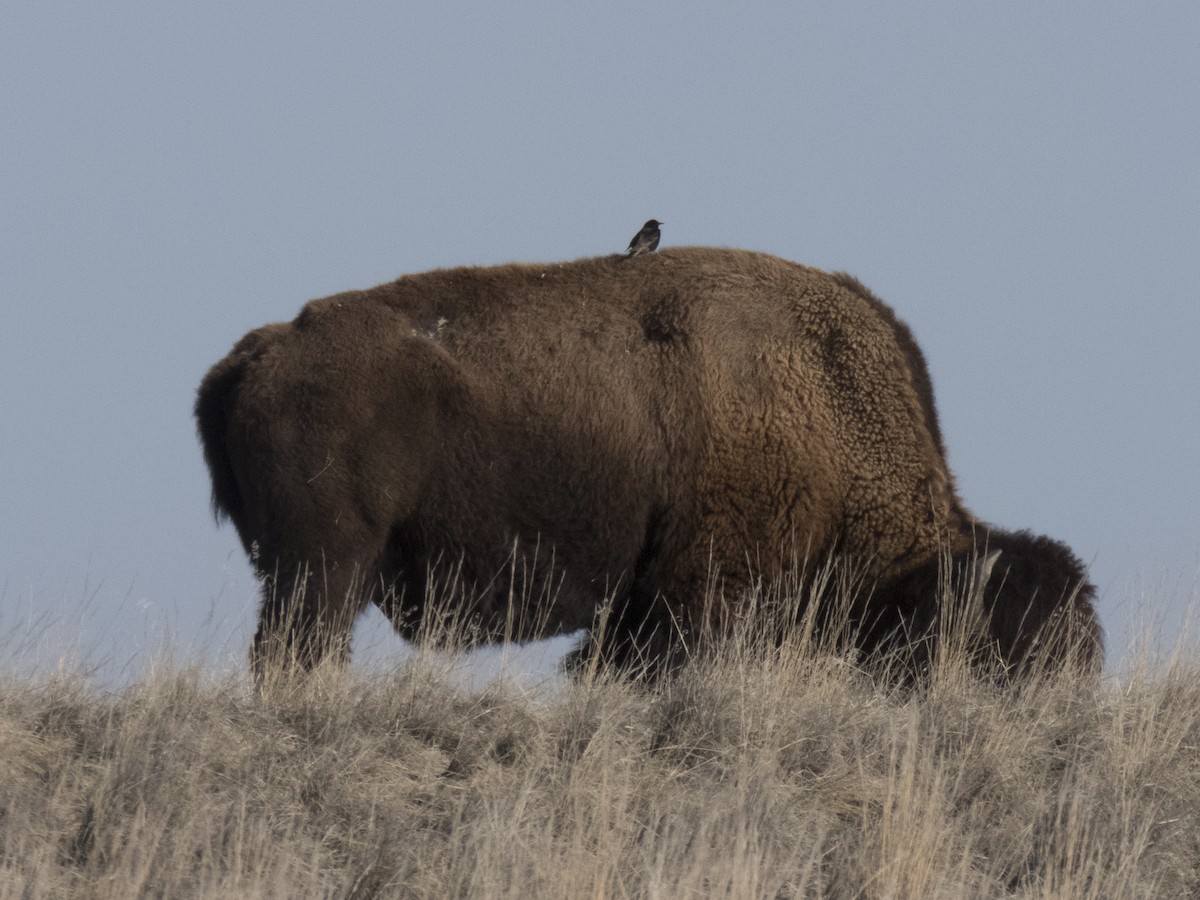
(631, 638)
(646, 634)
(307, 616)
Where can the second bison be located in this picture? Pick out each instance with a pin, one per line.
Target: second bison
(653, 434)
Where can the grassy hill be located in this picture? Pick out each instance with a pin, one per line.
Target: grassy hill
(755, 772)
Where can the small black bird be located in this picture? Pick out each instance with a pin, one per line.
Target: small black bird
(645, 240)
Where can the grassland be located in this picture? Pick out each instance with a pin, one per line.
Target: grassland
(758, 771)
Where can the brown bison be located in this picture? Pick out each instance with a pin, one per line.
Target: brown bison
(641, 436)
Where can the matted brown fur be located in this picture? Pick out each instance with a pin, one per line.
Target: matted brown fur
(610, 427)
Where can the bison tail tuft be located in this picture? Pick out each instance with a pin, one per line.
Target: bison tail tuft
(213, 401)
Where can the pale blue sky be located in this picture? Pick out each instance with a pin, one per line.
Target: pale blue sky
(1021, 181)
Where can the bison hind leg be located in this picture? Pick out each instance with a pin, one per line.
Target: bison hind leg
(307, 616)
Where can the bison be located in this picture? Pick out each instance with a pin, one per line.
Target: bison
(645, 436)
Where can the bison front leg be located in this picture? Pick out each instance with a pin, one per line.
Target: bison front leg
(641, 633)
(307, 616)
(639, 648)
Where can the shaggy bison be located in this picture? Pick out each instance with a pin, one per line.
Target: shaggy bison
(644, 436)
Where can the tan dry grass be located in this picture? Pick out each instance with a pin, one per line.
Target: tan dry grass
(753, 772)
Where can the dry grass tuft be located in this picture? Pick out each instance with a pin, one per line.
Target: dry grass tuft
(759, 770)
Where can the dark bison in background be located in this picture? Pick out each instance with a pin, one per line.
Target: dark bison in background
(651, 433)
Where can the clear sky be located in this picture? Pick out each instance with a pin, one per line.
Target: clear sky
(1021, 181)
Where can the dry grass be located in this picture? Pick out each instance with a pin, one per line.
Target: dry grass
(785, 772)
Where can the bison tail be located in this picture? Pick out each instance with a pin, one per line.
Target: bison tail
(216, 396)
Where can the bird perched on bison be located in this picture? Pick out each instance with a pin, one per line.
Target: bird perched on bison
(646, 240)
(645, 440)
